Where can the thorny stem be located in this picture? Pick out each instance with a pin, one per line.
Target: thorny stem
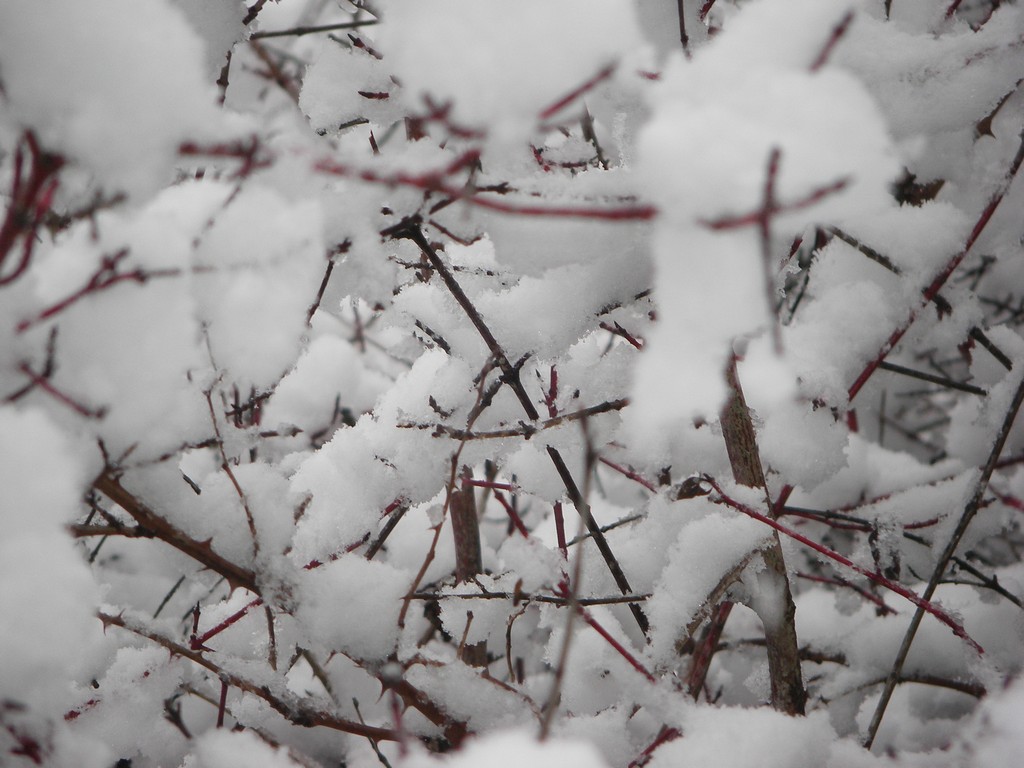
(282, 700)
(970, 510)
(149, 520)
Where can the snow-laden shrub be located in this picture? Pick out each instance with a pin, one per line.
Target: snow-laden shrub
(576, 382)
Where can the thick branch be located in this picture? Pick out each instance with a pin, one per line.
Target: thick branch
(149, 520)
(788, 694)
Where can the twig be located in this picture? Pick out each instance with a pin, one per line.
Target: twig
(530, 598)
(524, 429)
(837, 34)
(300, 31)
(940, 380)
(436, 183)
(575, 93)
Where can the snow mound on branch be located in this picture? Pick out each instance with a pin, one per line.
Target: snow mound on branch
(705, 549)
(352, 605)
(931, 84)
(501, 65)
(705, 161)
(237, 749)
(514, 749)
(730, 737)
(262, 260)
(117, 85)
(48, 590)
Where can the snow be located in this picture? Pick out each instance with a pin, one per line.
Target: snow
(906, 72)
(735, 738)
(704, 155)
(688, 577)
(229, 749)
(48, 591)
(264, 256)
(351, 605)
(511, 748)
(497, 66)
(119, 100)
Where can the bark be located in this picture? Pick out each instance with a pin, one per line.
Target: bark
(468, 558)
(788, 693)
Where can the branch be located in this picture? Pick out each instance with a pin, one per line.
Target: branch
(787, 686)
(300, 31)
(435, 182)
(149, 520)
(290, 706)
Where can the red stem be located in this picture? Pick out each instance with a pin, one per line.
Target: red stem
(517, 521)
(837, 34)
(892, 586)
(574, 94)
(940, 280)
(630, 474)
(196, 643)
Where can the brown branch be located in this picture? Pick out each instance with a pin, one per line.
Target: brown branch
(149, 520)
(468, 556)
(291, 707)
(787, 687)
